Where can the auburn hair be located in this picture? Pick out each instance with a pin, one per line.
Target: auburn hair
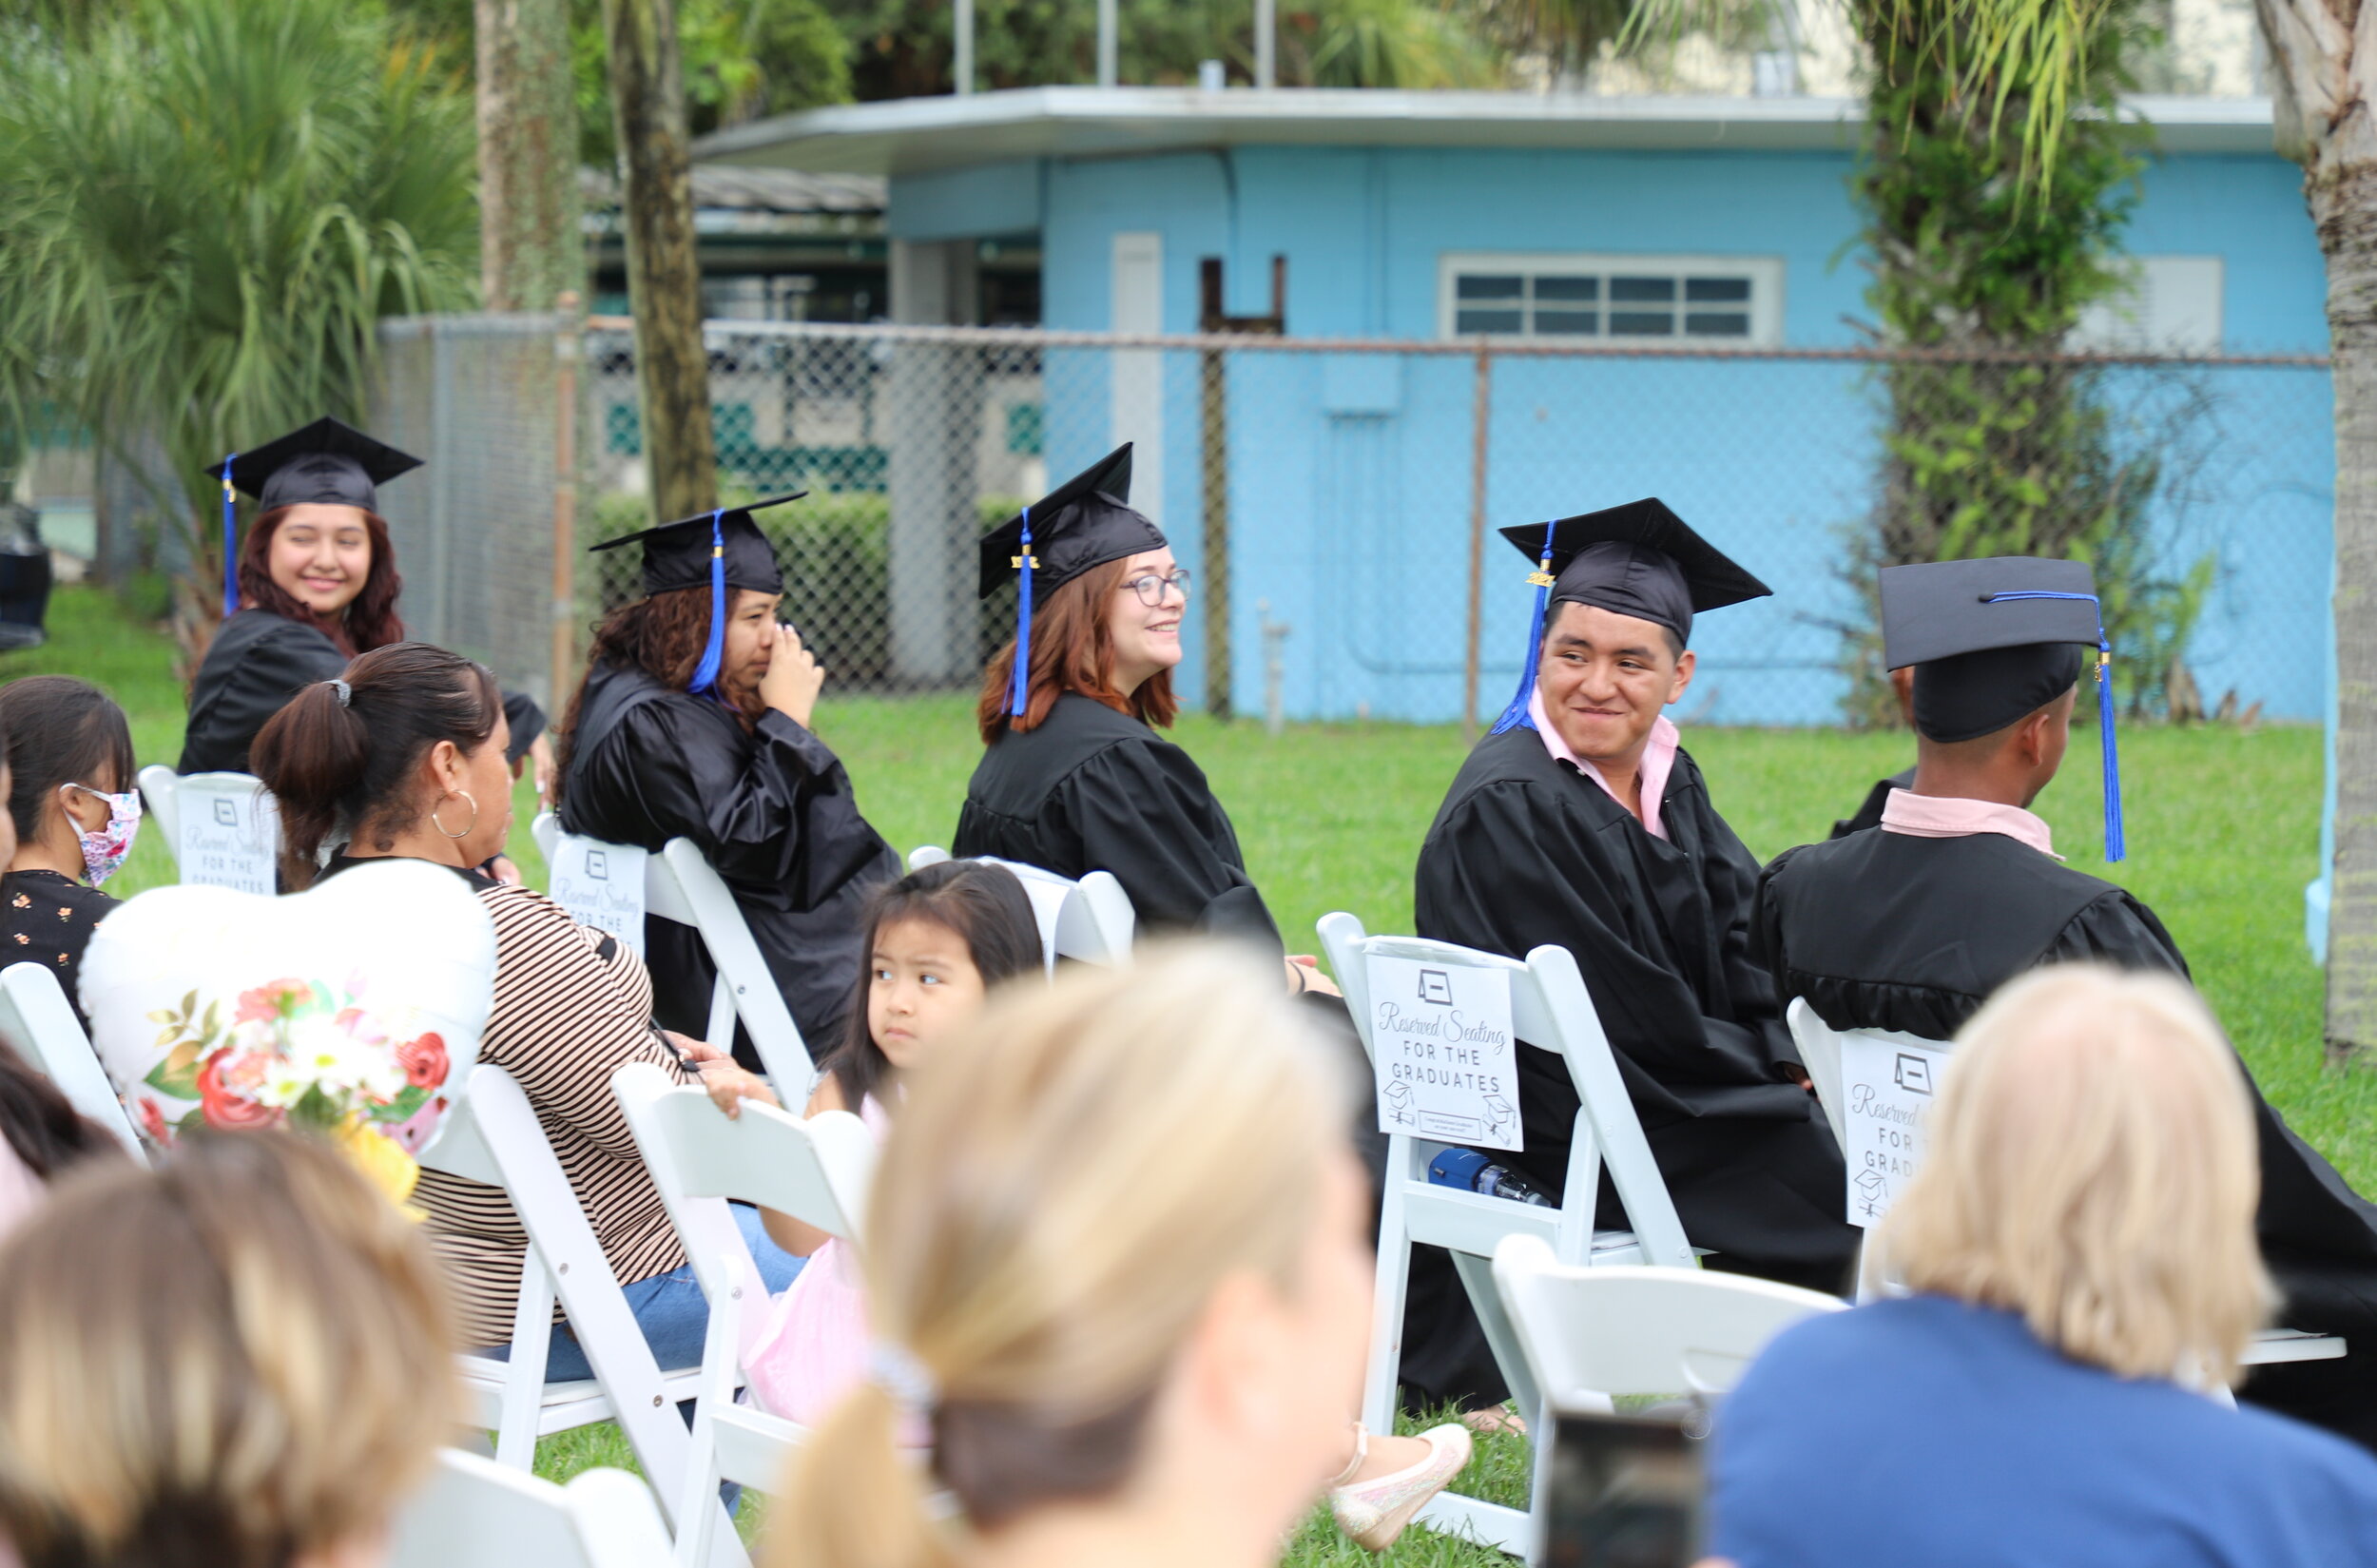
(1072, 650)
(663, 636)
(370, 619)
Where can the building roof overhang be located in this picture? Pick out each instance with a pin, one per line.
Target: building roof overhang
(922, 135)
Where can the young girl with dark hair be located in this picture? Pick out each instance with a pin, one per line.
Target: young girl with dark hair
(41, 1136)
(315, 585)
(402, 754)
(693, 722)
(937, 942)
(72, 814)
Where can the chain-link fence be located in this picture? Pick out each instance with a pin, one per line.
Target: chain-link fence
(1337, 502)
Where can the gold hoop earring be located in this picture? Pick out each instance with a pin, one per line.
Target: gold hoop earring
(439, 824)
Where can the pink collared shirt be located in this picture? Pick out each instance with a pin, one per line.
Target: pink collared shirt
(1658, 760)
(1952, 817)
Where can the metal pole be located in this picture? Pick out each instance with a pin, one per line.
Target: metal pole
(1266, 43)
(565, 354)
(1109, 56)
(964, 67)
(1478, 448)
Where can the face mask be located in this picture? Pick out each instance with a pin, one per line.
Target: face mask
(104, 851)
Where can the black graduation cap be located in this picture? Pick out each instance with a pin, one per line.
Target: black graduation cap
(1639, 559)
(1994, 640)
(723, 549)
(328, 462)
(1085, 522)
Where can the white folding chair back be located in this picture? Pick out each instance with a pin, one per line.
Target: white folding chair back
(493, 1137)
(36, 1017)
(253, 820)
(696, 895)
(924, 855)
(1550, 1008)
(679, 886)
(815, 1170)
(1090, 920)
(1589, 1334)
(474, 1513)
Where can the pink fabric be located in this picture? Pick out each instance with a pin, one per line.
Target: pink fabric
(812, 1351)
(20, 1189)
(1658, 760)
(1953, 817)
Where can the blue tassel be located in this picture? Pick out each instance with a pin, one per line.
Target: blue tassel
(2117, 842)
(714, 653)
(1514, 716)
(231, 541)
(1019, 686)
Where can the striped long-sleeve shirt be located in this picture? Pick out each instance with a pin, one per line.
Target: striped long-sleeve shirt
(573, 1006)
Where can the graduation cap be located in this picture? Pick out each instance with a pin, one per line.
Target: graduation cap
(723, 549)
(328, 463)
(1085, 522)
(1639, 559)
(1994, 640)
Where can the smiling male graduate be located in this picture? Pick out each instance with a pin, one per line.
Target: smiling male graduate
(1581, 822)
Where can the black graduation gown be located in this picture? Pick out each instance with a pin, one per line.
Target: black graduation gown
(772, 810)
(1869, 814)
(1526, 851)
(256, 662)
(1890, 931)
(1090, 789)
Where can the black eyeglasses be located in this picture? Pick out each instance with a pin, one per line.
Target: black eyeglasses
(1151, 587)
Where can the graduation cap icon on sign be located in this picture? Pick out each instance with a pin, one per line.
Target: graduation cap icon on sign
(226, 814)
(1913, 1072)
(597, 866)
(1436, 986)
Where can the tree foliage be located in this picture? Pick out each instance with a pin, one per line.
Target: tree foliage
(208, 206)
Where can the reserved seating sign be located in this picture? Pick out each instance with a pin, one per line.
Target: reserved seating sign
(1443, 1052)
(230, 834)
(1887, 1089)
(601, 885)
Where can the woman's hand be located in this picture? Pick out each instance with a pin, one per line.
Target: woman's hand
(1304, 974)
(793, 678)
(730, 1085)
(501, 868)
(540, 761)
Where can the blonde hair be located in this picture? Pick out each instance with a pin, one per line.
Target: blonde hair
(233, 1360)
(1064, 1189)
(2092, 1166)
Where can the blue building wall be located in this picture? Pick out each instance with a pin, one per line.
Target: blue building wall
(1351, 474)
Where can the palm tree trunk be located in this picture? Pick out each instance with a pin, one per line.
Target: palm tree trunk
(664, 276)
(530, 249)
(2344, 205)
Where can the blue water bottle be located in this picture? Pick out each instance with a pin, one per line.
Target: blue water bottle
(1469, 1168)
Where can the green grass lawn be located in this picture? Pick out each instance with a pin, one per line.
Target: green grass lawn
(2223, 833)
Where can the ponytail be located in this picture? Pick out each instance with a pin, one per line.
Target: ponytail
(859, 1501)
(341, 756)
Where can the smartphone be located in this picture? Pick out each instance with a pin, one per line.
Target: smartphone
(1626, 1491)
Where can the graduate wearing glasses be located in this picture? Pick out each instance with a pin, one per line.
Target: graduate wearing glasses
(1075, 777)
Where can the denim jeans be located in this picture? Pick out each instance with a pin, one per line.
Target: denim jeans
(670, 1308)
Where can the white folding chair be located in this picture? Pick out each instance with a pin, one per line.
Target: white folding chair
(1550, 1008)
(474, 1513)
(491, 1135)
(1590, 1334)
(1090, 920)
(1820, 1047)
(815, 1170)
(680, 886)
(36, 1017)
(254, 816)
